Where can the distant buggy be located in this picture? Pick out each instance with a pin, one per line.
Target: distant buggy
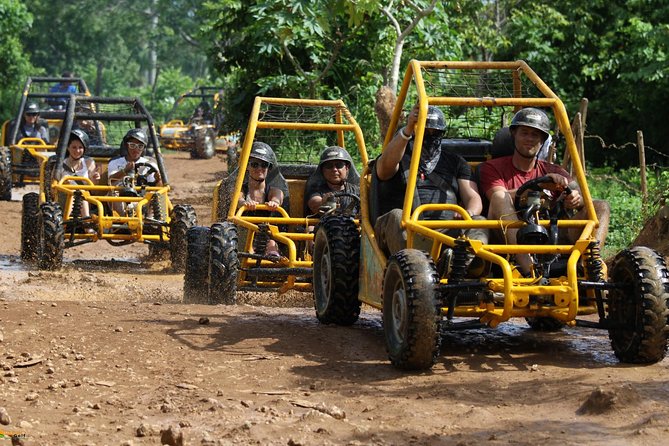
(134, 210)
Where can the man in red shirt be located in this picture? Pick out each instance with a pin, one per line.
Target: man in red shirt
(501, 177)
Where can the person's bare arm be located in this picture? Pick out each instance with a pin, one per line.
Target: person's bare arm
(469, 194)
(274, 198)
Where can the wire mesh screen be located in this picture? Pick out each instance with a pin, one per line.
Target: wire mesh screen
(298, 146)
(480, 122)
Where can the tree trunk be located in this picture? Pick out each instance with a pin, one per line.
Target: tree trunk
(384, 105)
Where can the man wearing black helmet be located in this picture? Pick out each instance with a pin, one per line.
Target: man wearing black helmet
(501, 177)
(132, 160)
(443, 177)
(331, 176)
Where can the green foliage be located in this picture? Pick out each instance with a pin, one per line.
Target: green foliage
(622, 189)
(16, 21)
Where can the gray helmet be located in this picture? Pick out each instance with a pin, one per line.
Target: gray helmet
(138, 134)
(435, 119)
(81, 136)
(532, 117)
(263, 152)
(32, 109)
(334, 153)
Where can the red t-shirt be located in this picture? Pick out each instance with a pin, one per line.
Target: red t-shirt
(502, 172)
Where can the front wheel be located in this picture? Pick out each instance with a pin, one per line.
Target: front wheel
(223, 263)
(183, 217)
(205, 144)
(5, 174)
(30, 230)
(638, 310)
(411, 315)
(197, 266)
(336, 269)
(52, 236)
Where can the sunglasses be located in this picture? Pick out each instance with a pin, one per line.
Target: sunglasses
(259, 164)
(334, 164)
(135, 146)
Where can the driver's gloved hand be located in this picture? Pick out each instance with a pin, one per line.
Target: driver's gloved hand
(329, 205)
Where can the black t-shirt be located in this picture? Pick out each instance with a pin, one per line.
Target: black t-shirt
(450, 168)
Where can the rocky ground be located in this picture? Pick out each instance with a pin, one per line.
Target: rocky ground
(103, 352)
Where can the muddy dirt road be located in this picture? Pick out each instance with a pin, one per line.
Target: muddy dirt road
(103, 352)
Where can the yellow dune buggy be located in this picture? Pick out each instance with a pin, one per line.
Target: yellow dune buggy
(134, 210)
(194, 124)
(20, 157)
(423, 294)
(230, 255)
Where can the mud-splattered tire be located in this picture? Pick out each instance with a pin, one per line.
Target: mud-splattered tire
(52, 236)
(205, 144)
(30, 243)
(233, 158)
(410, 312)
(5, 174)
(223, 264)
(547, 324)
(638, 311)
(336, 269)
(182, 218)
(196, 277)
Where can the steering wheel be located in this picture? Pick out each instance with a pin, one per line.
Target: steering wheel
(142, 180)
(538, 185)
(329, 206)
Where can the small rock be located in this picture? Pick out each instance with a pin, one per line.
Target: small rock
(2, 336)
(118, 329)
(32, 397)
(172, 436)
(68, 314)
(534, 367)
(203, 321)
(5, 419)
(50, 371)
(54, 304)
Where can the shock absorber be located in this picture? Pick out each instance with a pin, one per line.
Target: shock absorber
(76, 205)
(594, 262)
(157, 207)
(459, 264)
(261, 238)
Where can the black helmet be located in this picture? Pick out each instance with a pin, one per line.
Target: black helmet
(334, 153)
(32, 109)
(435, 119)
(81, 136)
(138, 134)
(532, 117)
(263, 152)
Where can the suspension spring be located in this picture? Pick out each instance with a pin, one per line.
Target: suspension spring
(261, 238)
(459, 264)
(76, 205)
(594, 262)
(157, 207)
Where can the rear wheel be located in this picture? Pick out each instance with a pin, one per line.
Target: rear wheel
(30, 227)
(5, 174)
(205, 144)
(410, 312)
(638, 311)
(336, 269)
(197, 266)
(183, 217)
(52, 236)
(223, 263)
